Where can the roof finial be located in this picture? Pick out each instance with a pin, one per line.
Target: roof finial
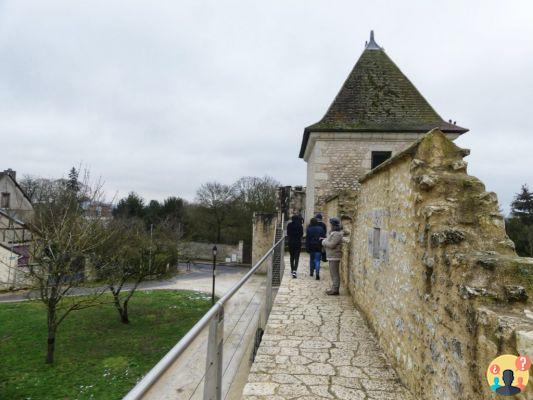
(372, 45)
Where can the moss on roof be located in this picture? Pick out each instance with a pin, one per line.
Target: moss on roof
(378, 97)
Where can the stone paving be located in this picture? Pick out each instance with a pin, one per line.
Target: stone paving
(319, 347)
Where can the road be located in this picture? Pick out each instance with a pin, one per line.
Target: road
(199, 278)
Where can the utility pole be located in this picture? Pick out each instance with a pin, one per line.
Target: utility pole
(214, 267)
(150, 251)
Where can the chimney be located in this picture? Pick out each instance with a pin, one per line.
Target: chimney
(11, 173)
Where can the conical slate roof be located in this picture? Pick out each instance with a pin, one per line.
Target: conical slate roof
(378, 97)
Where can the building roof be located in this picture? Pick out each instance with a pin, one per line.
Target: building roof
(9, 174)
(12, 218)
(378, 97)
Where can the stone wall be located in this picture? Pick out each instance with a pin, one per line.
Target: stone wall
(431, 268)
(264, 231)
(336, 161)
(204, 251)
(291, 201)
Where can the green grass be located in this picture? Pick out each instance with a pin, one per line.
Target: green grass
(97, 357)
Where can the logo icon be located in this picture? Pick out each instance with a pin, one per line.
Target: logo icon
(508, 375)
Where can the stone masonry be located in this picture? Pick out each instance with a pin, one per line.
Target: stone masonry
(433, 272)
(319, 347)
(263, 235)
(336, 161)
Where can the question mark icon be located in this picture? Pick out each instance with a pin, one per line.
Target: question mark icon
(495, 369)
(523, 363)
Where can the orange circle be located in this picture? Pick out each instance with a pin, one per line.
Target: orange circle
(523, 363)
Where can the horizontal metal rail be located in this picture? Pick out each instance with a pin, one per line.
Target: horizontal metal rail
(164, 364)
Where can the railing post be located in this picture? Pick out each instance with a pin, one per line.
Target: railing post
(282, 252)
(213, 367)
(268, 289)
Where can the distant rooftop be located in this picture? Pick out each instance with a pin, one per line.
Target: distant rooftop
(378, 97)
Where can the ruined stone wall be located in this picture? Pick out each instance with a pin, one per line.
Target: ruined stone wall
(264, 230)
(331, 208)
(431, 268)
(336, 161)
(291, 201)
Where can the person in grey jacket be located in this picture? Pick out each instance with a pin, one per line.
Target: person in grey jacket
(333, 246)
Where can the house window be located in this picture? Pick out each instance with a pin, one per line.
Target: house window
(375, 242)
(379, 157)
(4, 202)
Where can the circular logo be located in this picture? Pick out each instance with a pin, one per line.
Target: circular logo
(508, 375)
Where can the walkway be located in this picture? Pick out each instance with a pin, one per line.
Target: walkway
(319, 347)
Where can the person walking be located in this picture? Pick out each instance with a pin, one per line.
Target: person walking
(295, 232)
(314, 234)
(319, 217)
(333, 246)
(320, 222)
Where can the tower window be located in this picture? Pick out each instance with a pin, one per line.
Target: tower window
(379, 157)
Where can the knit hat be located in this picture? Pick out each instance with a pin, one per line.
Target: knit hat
(334, 221)
(319, 216)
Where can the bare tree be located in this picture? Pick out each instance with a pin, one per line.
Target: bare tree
(132, 256)
(217, 199)
(257, 194)
(38, 190)
(63, 240)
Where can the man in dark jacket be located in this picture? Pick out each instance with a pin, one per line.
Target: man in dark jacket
(314, 235)
(295, 232)
(321, 222)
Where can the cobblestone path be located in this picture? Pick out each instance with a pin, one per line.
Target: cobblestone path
(319, 347)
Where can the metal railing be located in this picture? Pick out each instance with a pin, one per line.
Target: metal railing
(214, 317)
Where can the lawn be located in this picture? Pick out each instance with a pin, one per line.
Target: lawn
(97, 357)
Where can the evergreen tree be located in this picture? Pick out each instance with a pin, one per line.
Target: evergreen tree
(130, 207)
(152, 213)
(520, 226)
(173, 212)
(73, 185)
(522, 206)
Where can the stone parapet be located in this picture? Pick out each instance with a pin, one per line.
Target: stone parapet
(263, 235)
(430, 266)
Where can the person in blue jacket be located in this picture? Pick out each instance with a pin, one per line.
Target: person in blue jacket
(313, 245)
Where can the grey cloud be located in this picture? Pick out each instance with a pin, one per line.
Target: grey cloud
(161, 96)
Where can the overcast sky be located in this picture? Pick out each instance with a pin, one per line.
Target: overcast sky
(161, 96)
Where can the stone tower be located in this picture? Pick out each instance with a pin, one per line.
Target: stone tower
(377, 113)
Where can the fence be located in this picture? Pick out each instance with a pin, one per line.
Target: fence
(214, 320)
